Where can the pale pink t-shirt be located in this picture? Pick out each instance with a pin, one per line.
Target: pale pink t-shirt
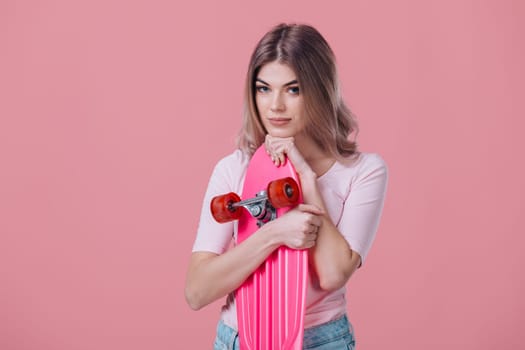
(354, 194)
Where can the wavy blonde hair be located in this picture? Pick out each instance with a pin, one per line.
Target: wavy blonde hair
(329, 122)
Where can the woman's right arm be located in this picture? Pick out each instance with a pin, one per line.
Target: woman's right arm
(211, 276)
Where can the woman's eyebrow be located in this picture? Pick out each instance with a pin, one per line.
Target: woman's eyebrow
(265, 83)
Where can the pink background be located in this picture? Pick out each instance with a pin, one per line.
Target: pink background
(113, 114)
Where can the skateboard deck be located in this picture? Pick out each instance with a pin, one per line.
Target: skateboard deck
(271, 302)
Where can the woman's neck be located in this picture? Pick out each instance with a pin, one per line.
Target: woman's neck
(318, 159)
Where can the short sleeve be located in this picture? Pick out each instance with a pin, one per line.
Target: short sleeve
(364, 205)
(227, 176)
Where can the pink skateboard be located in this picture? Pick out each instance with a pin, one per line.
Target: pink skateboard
(271, 302)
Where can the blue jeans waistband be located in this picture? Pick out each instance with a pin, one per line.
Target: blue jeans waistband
(336, 334)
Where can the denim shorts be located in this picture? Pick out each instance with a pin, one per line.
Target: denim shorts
(334, 335)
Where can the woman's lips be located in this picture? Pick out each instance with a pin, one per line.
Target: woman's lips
(279, 121)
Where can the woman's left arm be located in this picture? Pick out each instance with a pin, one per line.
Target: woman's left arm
(332, 258)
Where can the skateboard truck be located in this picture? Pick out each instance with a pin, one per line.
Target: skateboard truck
(279, 194)
(259, 207)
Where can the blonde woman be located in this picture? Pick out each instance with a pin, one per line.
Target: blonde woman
(294, 107)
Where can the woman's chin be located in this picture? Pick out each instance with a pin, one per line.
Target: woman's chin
(281, 133)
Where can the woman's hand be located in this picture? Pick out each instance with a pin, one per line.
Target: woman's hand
(278, 148)
(298, 228)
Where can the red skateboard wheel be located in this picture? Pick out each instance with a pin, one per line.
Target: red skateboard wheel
(222, 209)
(283, 192)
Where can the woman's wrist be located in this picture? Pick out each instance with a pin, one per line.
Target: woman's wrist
(310, 190)
(308, 176)
(271, 237)
(308, 182)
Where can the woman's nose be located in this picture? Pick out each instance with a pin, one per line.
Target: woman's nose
(277, 102)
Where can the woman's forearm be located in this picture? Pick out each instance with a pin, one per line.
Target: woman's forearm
(211, 276)
(332, 259)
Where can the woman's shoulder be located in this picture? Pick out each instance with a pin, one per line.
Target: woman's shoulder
(231, 168)
(236, 158)
(363, 170)
(363, 161)
(371, 167)
(373, 161)
(358, 168)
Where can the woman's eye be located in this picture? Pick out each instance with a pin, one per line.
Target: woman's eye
(261, 88)
(294, 90)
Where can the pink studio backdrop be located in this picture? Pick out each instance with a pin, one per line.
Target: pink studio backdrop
(113, 114)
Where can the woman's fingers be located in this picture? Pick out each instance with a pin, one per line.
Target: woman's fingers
(299, 227)
(310, 208)
(310, 240)
(277, 148)
(281, 147)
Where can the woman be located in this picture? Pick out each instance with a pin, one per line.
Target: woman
(293, 106)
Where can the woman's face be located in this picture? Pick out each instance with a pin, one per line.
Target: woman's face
(279, 100)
